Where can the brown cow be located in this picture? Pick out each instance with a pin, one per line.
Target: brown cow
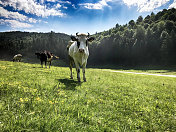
(45, 56)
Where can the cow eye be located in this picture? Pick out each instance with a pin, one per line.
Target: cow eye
(78, 44)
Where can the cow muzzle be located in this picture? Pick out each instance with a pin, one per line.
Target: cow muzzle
(81, 50)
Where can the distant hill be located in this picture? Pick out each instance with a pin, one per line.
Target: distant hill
(149, 40)
(28, 43)
(145, 41)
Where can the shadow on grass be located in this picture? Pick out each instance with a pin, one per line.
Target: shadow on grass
(37, 67)
(69, 83)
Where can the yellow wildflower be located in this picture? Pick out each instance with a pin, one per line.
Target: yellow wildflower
(26, 99)
(38, 99)
(3, 67)
(62, 101)
(21, 100)
(56, 102)
(51, 102)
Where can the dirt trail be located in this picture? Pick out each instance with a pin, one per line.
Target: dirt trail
(142, 73)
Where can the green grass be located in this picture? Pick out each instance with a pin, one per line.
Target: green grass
(39, 99)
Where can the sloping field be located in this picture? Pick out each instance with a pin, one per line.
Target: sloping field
(39, 99)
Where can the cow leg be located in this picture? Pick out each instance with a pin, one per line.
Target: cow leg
(78, 74)
(78, 71)
(45, 64)
(71, 65)
(42, 64)
(83, 70)
(49, 64)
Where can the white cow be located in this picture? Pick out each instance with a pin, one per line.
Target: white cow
(17, 57)
(78, 53)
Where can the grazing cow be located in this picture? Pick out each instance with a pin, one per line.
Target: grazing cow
(17, 57)
(45, 56)
(78, 53)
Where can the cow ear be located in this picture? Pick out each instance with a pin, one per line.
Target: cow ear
(73, 38)
(91, 39)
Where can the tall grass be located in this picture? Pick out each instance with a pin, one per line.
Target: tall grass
(39, 99)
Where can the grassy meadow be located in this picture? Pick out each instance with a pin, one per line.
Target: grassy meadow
(42, 99)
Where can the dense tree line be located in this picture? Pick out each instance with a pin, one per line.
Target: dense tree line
(149, 40)
(28, 43)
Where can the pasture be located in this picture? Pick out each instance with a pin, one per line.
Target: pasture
(39, 99)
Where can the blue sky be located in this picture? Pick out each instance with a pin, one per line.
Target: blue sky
(71, 16)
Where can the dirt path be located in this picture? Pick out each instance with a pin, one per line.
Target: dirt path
(141, 73)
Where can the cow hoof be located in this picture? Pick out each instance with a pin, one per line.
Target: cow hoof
(79, 80)
(84, 80)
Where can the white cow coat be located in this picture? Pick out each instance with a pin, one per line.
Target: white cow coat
(17, 57)
(80, 58)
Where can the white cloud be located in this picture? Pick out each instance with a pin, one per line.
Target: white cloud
(173, 5)
(98, 6)
(32, 7)
(51, 0)
(74, 6)
(32, 20)
(41, 1)
(15, 15)
(145, 5)
(11, 15)
(65, 2)
(65, 7)
(15, 23)
(32, 30)
(58, 5)
(45, 22)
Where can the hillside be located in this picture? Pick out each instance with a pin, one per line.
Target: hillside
(146, 41)
(27, 43)
(149, 40)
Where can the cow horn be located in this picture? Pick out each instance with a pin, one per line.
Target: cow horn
(77, 33)
(88, 35)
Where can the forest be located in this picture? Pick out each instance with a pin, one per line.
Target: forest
(27, 43)
(145, 41)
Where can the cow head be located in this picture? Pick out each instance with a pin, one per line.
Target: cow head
(38, 54)
(82, 41)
